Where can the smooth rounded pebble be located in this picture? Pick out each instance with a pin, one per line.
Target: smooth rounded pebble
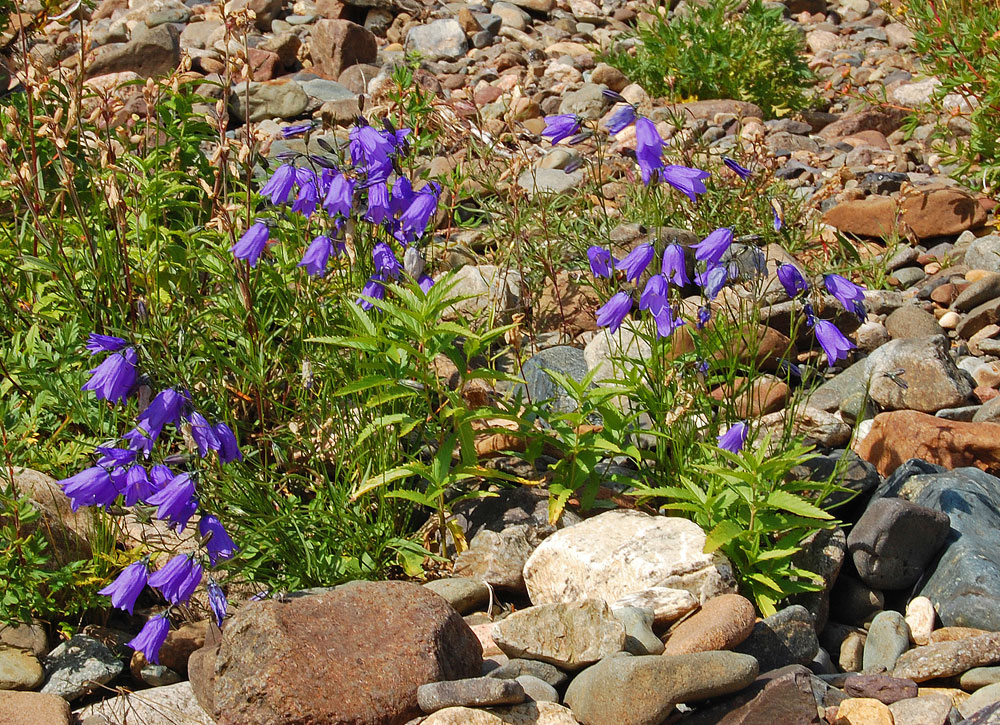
(722, 623)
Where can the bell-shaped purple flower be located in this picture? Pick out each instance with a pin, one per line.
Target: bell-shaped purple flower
(850, 295)
(115, 377)
(686, 180)
(217, 541)
(251, 245)
(126, 588)
(151, 638)
(386, 264)
(792, 280)
(614, 311)
(664, 317)
(561, 126)
(163, 409)
(656, 289)
(413, 221)
(378, 203)
(229, 449)
(704, 315)
(732, 165)
(369, 148)
(279, 187)
(648, 149)
(203, 434)
(90, 487)
(621, 119)
(425, 283)
(308, 196)
(178, 578)
(602, 264)
(711, 249)
(217, 601)
(138, 487)
(779, 215)
(375, 289)
(111, 457)
(160, 476)
(713, 280)
(175, 502)
(674, 266)
(832, 340)
(317, 255)
(735, 438)
(297, 129)
(340, 196)
(104, 343)
(636, 261)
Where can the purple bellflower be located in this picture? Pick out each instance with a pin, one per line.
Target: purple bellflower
(160, 476)
(229, 449)
(674, 267)
(663, 315)
(251, 245)
(378, 203)
(414, 220)
(686, 180)
(832, 340)
(648, 149)
(317, 256)
(713, 281)
(402, 196)
(90, 487)
(151, 637)
(279, 187)
(614, 311)
(175, 502)
(741, 171)
(704, 315)
(126, 588)
(425, 283)
(203, 434)
(792, 280)
(636, 261)
(340, 196)
(111, 457)
(656, 289)
(104, 343)
(850, 295)
(621, 119)
(178, 578)
(297, 129)
(374, 289)
(779, 215)
(217, 601)
(114, 378)
(561, 126)
(163, 409)
(711, 249)
(386, 264)
(602, 264)
(308, 197)
(220, 546)
(735, 438)
(138, 487)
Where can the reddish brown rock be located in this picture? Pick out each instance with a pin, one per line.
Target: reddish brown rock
(941, 212)
(201, 672)
(948, 658)
(33, 708)
(566, 305)
(871, 137)
(264, 65)
(708, 109)
(338, 44)
(898, 436)
(883, 120)
(872, 217)
(356, 654)
(722, 623)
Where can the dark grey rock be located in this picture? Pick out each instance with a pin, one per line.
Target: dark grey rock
(844, 468)
(984, 253)
(498, 558)
(980, 291)
(639, 636)
(823, 554)
(79, 666)
(438, 40)
(588, 101)
(462, 593)
(786, 637)
(545, 672)
(562, 359)
(888, 638)
(787, 695)
(988, 313)
(472, 692)
(908, 276)
(854, 602)
(884, 183)
(933, 381)
(852, 380)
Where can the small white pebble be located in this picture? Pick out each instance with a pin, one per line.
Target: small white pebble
(950, 319)
(920, 617)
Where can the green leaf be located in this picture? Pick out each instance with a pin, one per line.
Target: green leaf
(721, 535)
(798, 506)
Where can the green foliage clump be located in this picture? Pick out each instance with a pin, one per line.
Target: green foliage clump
(960, 47)
(712, 50)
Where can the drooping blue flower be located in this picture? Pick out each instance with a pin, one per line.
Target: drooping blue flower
(229, 449)
(104, 343)
(561, 126)
(374, 289)
(741, 171)
(779, 215)
(425, 283)
(711, 248)
(648, 149)
(308, 196)
(663, 315)
(413, 221)
(251, 245)
(297, 129)
(279, 186)
(832, 340)
(378, 203)
(735, 438)
(126, 588)
(614, 311)
(656, 289)
(636, 261)
(151, 638)
(371, 151)
(217, 601)
(139, 440)
(602, 264)
(115, 377)
(850, 295)
(89, 487)
(164, 408)
(160, 476)
(713, 280)
(621, 119)
(111, 457)
(138, 487)
(317, 256)
(175, 502)
(792, 280)
(704, 315)
(340, 196)
(203, 434)
(386, 264)
(178, 578)
(218, 543)
(674, 267)
(686, 180)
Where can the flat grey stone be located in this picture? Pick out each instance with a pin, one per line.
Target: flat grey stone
(79, 666)
(471, 692)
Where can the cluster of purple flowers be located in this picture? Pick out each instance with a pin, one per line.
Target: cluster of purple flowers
(834, 343)
(117, 472)
(365, 187)
(655, 297)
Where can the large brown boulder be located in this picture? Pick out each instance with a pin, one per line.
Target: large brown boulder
(336, 45)
(356, 654)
